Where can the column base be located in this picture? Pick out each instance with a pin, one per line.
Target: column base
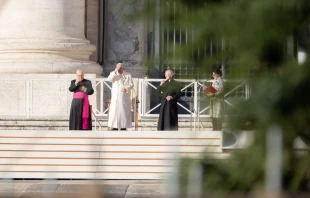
(48, 67)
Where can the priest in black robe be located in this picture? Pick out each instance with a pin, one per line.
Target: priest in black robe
(80, 112)
(169, 91)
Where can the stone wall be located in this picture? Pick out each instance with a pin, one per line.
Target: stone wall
(124, 39)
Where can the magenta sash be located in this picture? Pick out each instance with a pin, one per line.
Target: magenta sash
(85, 111)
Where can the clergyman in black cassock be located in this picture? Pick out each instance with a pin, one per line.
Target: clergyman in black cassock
(80, 112)
(169, 91)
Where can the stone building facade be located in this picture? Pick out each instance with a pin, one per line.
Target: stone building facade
(60, 36)
(116, 39)
(44, 42)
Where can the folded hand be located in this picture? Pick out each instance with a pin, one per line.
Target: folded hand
(169, 98)
(83, 88)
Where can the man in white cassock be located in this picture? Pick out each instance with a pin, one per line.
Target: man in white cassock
(120, 107)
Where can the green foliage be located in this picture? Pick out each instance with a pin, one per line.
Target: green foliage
(257, 32)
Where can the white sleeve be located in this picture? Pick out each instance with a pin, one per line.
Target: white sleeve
(112, 76)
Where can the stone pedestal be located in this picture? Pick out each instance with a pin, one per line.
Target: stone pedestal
(44, 36)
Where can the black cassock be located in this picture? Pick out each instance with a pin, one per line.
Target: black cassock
(168, 114)
(75, 121)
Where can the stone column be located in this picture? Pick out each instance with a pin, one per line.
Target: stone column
(44, 37)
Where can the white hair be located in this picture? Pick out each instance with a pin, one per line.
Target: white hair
(79, 70)
(171, 72)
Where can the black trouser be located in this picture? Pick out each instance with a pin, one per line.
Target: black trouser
(217, 124)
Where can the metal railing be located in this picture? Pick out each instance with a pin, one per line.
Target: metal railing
(50, 98)
(193, 101)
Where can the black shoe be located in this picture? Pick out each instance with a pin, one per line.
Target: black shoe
(123, 129)
(214, 124)
(114, 129)
(219, 124)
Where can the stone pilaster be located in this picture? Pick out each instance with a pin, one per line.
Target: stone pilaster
(92, 24)
(125, 40)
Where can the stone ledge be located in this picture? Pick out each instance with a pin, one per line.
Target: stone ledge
(82, 188)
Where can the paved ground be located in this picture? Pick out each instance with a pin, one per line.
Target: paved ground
(81, 188)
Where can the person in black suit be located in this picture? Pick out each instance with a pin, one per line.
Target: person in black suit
(170, 92)
(80, 112)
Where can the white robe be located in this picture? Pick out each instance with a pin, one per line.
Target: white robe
(120, 107)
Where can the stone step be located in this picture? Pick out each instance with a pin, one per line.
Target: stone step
(62, 124)
(103, 120)
(103, 128)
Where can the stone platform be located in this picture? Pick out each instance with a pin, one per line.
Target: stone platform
(63, 124)
(81, 188)
(110, 189)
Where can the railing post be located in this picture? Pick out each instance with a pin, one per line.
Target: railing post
(101, 96)
(91, 111)
(30, 109)
(27, 95)
(195, 105)
(137, 115)
(108, 102)
(248, 90)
